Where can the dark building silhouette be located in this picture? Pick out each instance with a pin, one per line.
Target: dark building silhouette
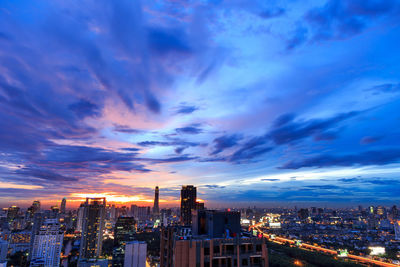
(188, 203)
(156, 208)
(213, 240)
(216, 223)
(92, 228)
(63, 205)
(124, 231)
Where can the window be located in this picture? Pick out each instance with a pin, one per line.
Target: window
(245, 262)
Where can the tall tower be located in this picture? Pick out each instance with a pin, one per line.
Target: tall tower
(47, 245)
(188, 203)
(156, 208)
(63, 205)
(94, 210)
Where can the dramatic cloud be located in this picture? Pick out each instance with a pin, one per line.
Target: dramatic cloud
(115, 97)
(379, 157)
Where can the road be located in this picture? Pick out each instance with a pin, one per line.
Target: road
(325, 250)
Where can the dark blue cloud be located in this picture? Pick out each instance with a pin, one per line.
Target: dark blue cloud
(226, 141)
(85, 108)
(377, 157)
(191, 129)
(366, 140)
(126, 129)
(186, 109)
(339, 19)
(385, 88)
(272, 13)
(164, 41)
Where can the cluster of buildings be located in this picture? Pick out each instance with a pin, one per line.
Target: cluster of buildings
(99, 234)
(361, 231)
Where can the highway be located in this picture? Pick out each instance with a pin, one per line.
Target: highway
(321, 249)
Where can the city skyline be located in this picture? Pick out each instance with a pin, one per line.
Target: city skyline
(293, 103)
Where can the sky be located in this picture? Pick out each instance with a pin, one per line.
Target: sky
(266, 103)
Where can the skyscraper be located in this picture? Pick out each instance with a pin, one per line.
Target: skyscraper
(397, 230)
(156, 208)
(188, 203)
(36, 206)
(47, 245)
(3, 250)
(92, 227)
(63, 205)
(135, 254)
(124, 231)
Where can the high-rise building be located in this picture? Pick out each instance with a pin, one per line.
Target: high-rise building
(92, 228)
(135, 254)
(63, 205)
(156, 208)
(36, 206)
(12, 213)
(143, 213)
(3, 250)
(79, 221)
(188, 203)
(397, 229)
(215, 240)
(124, 231)
(47, 245)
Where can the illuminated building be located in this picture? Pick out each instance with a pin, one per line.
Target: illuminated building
(63, 205)
(93, 263)
(92, 228)
(79, 221)
(47, 245)
(135, 254)
(188, 203)
(156, 208)
(124, 231)
(19, 241)
(214, 241)
(12, 213)
(381, 211)
(35, 206)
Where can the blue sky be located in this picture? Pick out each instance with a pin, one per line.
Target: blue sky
(262, 102)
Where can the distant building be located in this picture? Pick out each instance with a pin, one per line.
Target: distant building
(93, 263)
(12, 213)
(19, 241)
(3, 250)
(143, 213)
(63, 205)
(92, 228)
(47, 245)
(156, 208)
(135, 254)
(124, 231)
(188, 203)
(79, 221)
(397, 229)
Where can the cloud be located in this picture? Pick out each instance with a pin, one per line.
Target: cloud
(126, 129)
(191, 129)
(366, 140)
(272, 13)
(298, 37)
(85, 108)
(269, 180)
(385, 88)
(339, 19)
(186, 109)
(223, 142)
(373, 157)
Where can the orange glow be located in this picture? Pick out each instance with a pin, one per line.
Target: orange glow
(111, 197)
(298, 263)
(199, 200)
